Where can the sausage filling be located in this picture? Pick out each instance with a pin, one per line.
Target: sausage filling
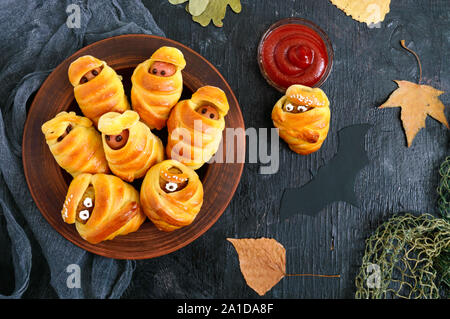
(67, 131)
(91, 74)
(163, 69)
(86, 205)
(208, 111)
(117, 141)
(172, 180)
(292, 108)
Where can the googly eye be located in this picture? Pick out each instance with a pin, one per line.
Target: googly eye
(87, 202)
(84, 214)
(289, 107)
(301, 108)
(171, 187)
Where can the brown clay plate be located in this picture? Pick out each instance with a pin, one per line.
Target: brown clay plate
(48, 183)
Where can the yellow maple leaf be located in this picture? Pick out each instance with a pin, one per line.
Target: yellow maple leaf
(416, 101)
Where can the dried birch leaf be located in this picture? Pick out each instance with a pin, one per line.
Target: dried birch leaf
(262, 262)
(416, 101)
(368, 11)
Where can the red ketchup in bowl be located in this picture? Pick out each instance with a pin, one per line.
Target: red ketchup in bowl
(295, 51)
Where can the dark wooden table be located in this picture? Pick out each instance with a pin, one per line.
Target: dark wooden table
(397, 179)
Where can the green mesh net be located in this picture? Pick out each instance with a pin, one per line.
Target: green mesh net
(408, 256)
(444, 189)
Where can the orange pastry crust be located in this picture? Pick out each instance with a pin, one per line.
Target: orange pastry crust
(193, 138)
(78, 150)
(170, 211)
(102, 94)
(116, 209)
(154, 96)
(141, 151)
(304, 131)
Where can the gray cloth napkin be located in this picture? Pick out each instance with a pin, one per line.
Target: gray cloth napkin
(36, 36)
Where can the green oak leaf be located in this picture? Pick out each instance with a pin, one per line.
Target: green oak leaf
(197, 7)
(216, 11)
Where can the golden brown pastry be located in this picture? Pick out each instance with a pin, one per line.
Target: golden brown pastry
(102, 207)
(157, 86)
(75, 144)
(97, 87)
(171, 195)
(303, 118)
(195, 127)
(130, 147)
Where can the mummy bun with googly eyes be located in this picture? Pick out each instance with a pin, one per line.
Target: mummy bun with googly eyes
(102, 207)
(171, 195)
(302, 117)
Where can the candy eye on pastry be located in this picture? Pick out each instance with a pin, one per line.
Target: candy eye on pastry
(91, 74)
(118, 141)
(208, 111)
(172, 180)
(162, 69)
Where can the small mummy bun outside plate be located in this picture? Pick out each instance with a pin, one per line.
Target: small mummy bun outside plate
(171, 195)
(303, 118)
(137, 149)
(102, 207)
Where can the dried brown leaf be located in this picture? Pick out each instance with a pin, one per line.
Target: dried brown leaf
(416, 101)
(262, 262)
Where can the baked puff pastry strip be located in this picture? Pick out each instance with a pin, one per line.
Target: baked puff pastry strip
(102, 207)
(195, 127)
(171, 195)
(303, 118)
(75, 144)
(130, 147)
(157, 84)
(97, 87)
